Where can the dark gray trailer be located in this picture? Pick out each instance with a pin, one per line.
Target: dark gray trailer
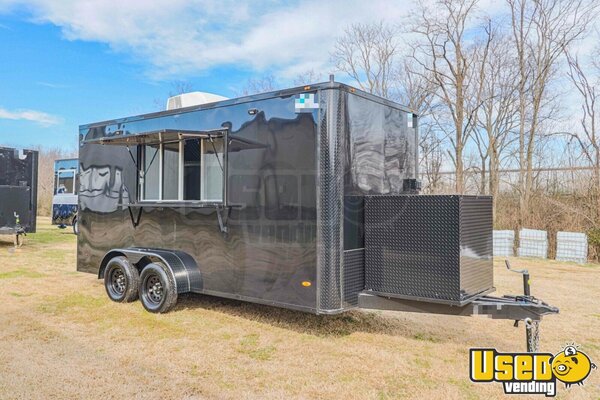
(303, 198)
(18, 192)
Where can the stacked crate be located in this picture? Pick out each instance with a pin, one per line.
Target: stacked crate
(571, 246)
(533, 243)
(504, 242)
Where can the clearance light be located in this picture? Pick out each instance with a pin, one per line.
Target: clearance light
(306, 283)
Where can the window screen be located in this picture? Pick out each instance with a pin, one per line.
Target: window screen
(187, 170)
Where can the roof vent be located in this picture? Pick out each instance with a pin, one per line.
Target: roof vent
(192, 99)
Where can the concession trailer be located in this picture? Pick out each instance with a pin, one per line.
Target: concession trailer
(18, 192)
(64, 201)
(305, 198)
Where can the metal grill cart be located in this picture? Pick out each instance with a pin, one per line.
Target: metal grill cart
(303, 198)
(18, 192)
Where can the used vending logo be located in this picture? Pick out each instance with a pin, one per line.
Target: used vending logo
(530, 373)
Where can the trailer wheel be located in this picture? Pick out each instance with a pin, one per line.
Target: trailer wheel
(157, 288)
(121, 280)
(75, 226)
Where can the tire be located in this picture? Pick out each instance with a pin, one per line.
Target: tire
(76, 226)
(157, 292)
(121, 280)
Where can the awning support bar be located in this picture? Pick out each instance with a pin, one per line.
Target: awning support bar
(137, 168)
(212, 142)
(135, 221)
(222, 221)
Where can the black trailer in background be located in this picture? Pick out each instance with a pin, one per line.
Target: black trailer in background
(18, 192)
(304, 198)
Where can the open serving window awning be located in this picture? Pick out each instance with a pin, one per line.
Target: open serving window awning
(155, 137)
(235, 143)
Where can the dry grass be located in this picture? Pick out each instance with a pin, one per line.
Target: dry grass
(61, 338)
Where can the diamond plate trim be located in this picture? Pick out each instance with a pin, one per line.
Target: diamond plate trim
(330, 207)
(354, 276)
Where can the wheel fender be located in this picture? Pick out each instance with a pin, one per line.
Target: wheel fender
(184, 268)
(107, 257)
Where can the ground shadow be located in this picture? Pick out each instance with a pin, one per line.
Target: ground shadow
(7, 241)
(319, 325)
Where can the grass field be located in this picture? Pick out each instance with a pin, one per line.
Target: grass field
(60, 337)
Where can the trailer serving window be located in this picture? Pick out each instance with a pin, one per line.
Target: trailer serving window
(185, 170)
(64, 182)
(179, 165)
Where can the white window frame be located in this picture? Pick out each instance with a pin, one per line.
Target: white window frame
(180, 175)
(64, 171)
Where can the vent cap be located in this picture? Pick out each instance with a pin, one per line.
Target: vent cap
(192, 99)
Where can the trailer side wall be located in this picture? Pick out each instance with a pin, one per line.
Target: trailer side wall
(270, 247)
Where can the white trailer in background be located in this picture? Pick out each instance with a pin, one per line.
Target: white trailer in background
(64, 201)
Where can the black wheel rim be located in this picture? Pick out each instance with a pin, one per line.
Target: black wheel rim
(154, 289)
(117, 282)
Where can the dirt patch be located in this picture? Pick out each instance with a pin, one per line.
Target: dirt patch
(60, 337)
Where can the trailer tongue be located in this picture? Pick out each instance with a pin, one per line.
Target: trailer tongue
(524, 308)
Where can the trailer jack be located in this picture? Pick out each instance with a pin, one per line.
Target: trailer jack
(524, 308)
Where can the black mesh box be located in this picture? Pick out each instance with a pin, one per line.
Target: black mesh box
(435, 248)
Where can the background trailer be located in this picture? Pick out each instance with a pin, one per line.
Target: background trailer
(64, 201)
(18, 192)
(302, 198)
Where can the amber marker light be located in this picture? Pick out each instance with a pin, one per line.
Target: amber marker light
(306, 283)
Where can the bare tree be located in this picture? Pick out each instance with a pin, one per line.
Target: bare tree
(431, 161)
(180, 87)
(417, 92)
(587, 84)
(307, 77)
(542, 30)
(498, 114)
(46, 160)
(367, 52)
(267, 83)
(453, 64)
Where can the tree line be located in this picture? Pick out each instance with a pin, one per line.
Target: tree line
(513, 89)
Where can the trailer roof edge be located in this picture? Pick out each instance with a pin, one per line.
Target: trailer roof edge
(254, 97)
